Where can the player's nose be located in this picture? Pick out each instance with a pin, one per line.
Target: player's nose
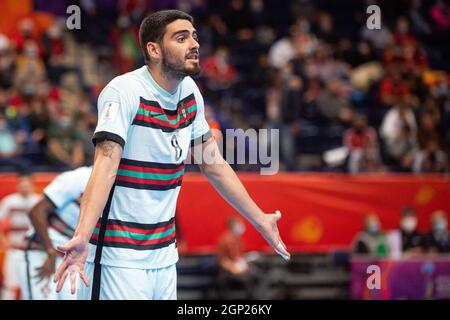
(194, 45)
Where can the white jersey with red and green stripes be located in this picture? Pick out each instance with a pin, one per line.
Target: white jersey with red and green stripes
(14, 210)
(155, 129)
(64, 192)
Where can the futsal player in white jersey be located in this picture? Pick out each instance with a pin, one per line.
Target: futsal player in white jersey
(54, 218)
(124, 244)
(14, 215)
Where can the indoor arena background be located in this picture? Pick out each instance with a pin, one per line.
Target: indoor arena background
(363, 116)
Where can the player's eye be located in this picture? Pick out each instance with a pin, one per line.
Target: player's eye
(181, 39)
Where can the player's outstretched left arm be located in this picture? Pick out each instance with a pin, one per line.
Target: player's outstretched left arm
(226, 182)
(106, 162)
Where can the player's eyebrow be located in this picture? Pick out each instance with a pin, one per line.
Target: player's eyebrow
(184, 31)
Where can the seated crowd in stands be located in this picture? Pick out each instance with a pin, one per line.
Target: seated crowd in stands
(405, 241)
(311, 69)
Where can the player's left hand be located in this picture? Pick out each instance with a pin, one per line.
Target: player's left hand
(47, 270)
(269, 231)
(76, 252)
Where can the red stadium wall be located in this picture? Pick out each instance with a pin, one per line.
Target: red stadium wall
(321, 212)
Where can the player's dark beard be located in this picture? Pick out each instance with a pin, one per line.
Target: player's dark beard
(175, 68)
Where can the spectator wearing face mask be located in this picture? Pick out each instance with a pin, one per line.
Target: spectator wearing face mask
(234, 269)
(437, 240)
(431, 159)
(362, 143)
(65, 148)
(372, 240)
(412, 240)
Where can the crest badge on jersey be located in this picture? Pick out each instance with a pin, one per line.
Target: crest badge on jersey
(183, 111)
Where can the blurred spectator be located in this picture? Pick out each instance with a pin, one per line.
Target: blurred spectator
(218, 72)
(85, 124)
(393, 88)
(290, 112)
(398, 131)
(283, 110)
(431, 159)
(9, 146)
(379, 38)
(437, 240)
(39, 121)
(127, 52)
(412, 240)
(362, 143)
(333, 102)
(26, 34)
(418, 22)
(284, 49)
(364, 54)
(234, 269)
(239, 19)
(325, 28)
(402, 33)
(55, 52)
(428, 125)
(65, 148)
(30, 69)
(323, 66)
(7, 63)
(372, 240)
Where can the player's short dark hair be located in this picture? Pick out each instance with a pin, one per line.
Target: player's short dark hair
(23, 173)
(153, 27)
(408, 211)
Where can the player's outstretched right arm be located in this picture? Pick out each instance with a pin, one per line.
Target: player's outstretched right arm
(106, 163)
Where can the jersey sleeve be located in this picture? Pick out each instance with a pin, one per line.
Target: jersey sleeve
(63, 189)
(115, 115)
(200, 127)
(4, 207)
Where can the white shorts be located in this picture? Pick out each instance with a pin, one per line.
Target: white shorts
(13, 258)
(115, 283)
(31, 288)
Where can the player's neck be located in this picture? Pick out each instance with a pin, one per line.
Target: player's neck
(164, 80)
(25, 194)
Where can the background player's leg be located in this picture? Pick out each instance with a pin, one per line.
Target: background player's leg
(31, 287)
(11, 285)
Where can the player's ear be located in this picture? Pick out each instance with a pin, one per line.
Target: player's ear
(153, 50)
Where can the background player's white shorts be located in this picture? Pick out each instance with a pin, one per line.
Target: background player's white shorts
(13, 259)
(31, 288)
(131, 284)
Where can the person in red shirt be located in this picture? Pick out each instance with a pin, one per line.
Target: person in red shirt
(234, 268)
(362, 143)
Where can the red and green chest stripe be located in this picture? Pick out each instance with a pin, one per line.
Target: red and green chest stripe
(137, 236)
(151, 114)
(149, 175)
